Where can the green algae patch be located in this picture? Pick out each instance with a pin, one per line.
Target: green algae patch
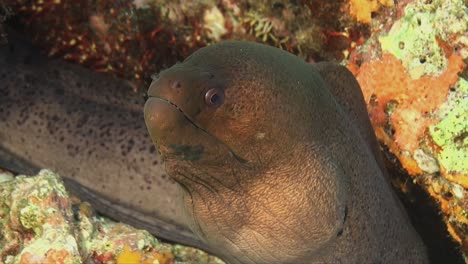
(31, 216)
(416, 38)
(451, 133)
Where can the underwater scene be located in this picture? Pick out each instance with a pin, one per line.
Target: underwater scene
(233, 131)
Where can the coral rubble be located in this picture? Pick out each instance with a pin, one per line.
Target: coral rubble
(40, 223)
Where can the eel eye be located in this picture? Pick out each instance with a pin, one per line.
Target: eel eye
(214, 97)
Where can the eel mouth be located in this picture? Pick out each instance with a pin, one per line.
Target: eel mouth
(170, 127)
(181, 111)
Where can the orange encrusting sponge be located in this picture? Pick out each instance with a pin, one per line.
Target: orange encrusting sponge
(362, 9)
(129, 256)
(387, 81)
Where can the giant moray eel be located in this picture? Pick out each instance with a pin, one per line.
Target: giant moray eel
(268, 165)
(276, 159)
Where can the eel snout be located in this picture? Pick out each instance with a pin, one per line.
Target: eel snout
(163, 119)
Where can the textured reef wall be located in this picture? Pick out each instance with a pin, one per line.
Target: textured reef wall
(409, 57)
(413, 76)
(41, 223)
(136, 38)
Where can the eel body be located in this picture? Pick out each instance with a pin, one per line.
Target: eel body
(90, 129)
(276, 159)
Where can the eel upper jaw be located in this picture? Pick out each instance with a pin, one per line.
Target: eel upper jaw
(237, 157)
(180, 109)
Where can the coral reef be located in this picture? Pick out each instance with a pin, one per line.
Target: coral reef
(40, 223)
(133, 39)
(413, 76)
(109, 36)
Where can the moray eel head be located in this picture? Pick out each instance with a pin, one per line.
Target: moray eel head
(221, 106)
(179, 114)
(182, 115)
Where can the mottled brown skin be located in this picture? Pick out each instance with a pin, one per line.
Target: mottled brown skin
(283, 170)
(90, 129)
